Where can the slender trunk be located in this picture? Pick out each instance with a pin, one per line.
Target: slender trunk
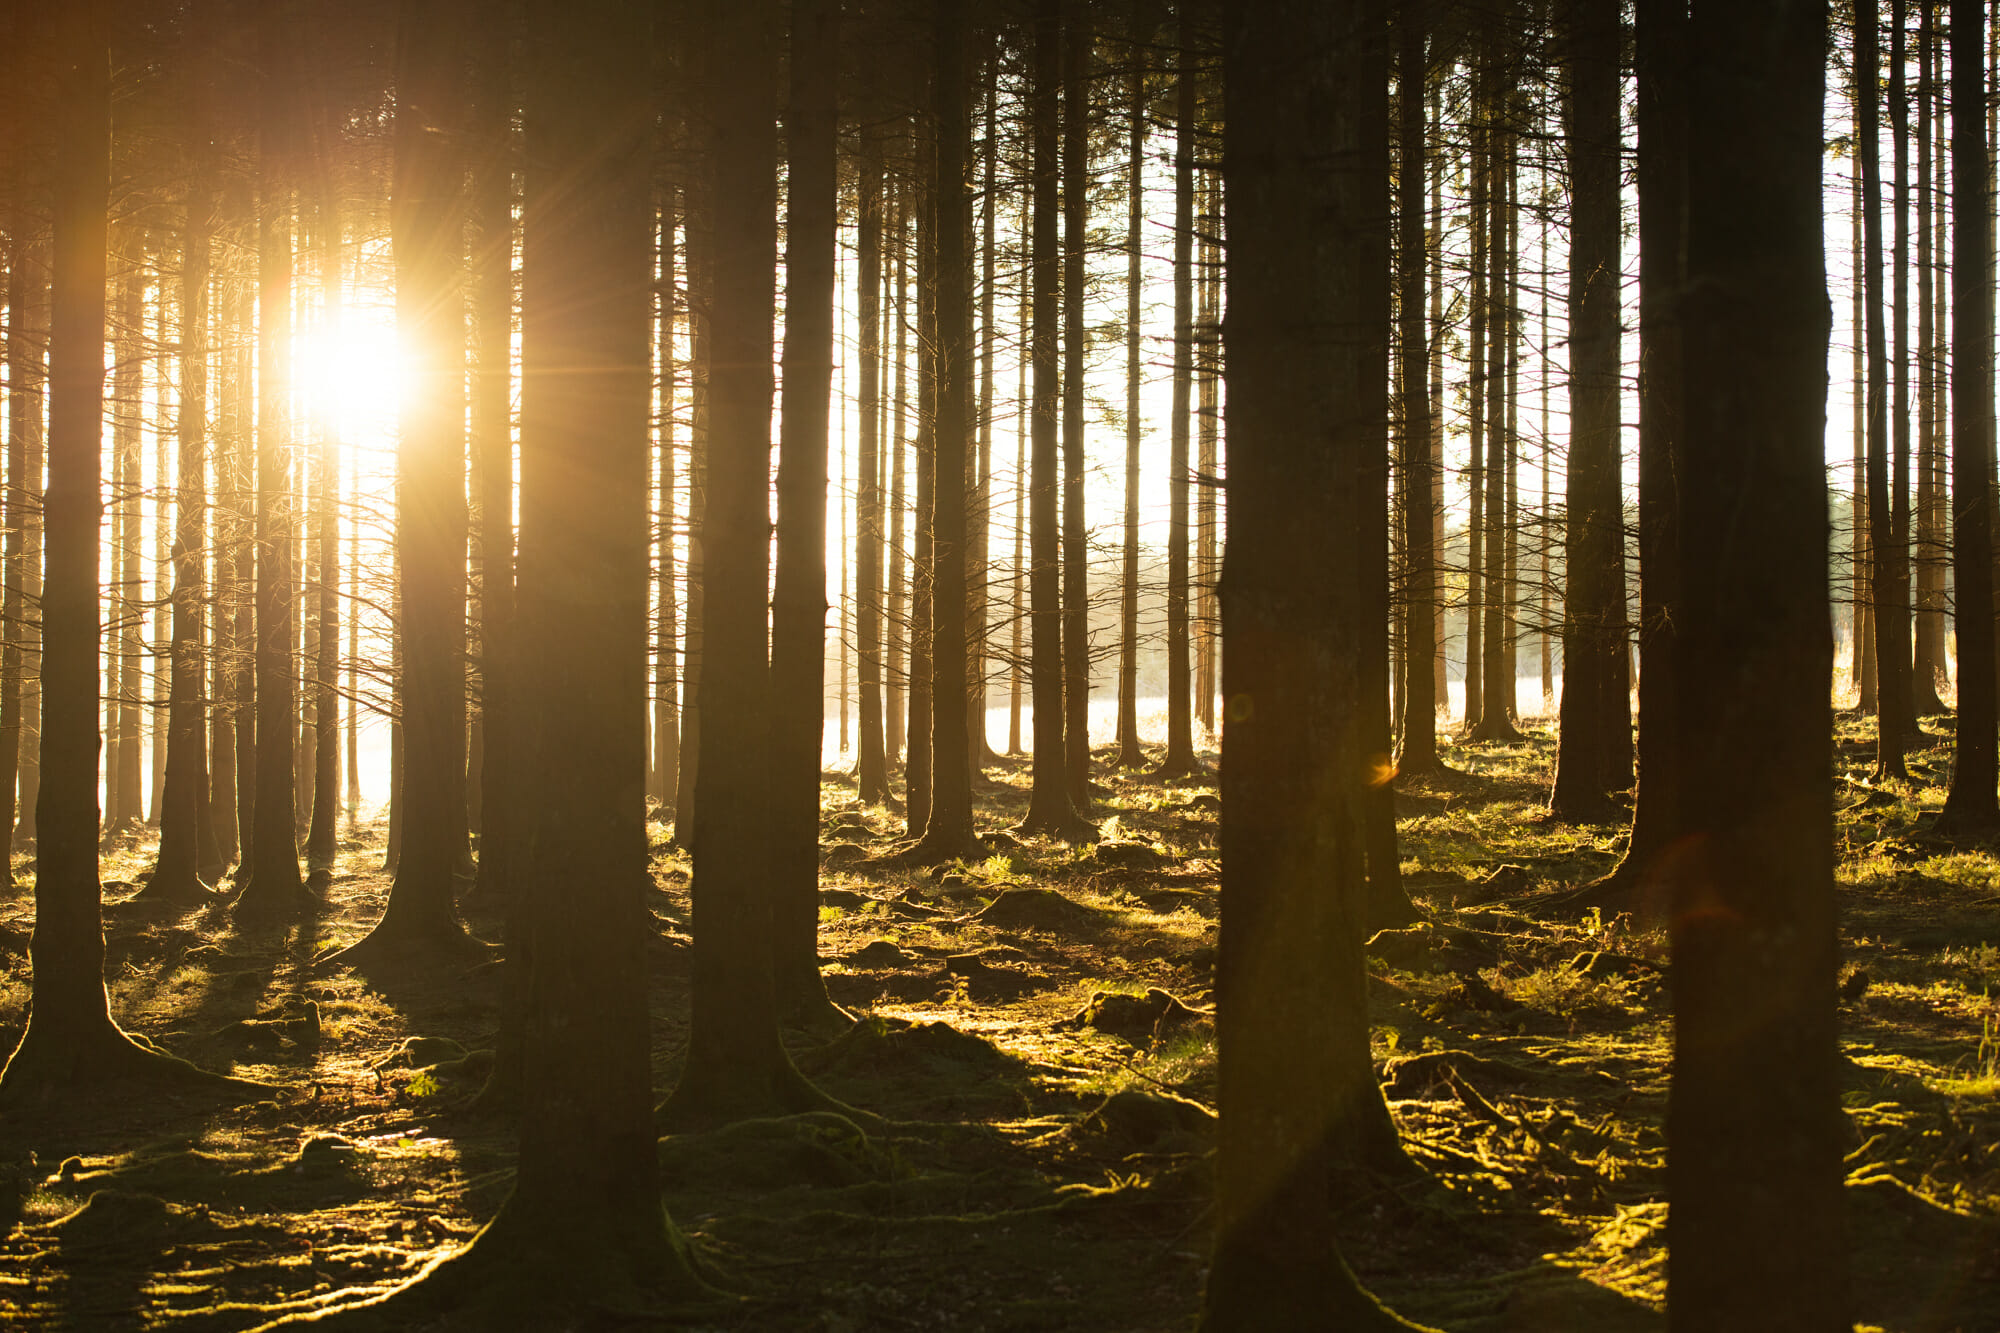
(1016, 671)
(1475, 527)
(923, 566)
(322, 831)
(1075, 293)
(1180, 760)
(1436, 331)
(898, 623)
(1891, 623)
(272, 888)
(798, 603)
(871, 764)
(27, 396)
(24, 260)
(1929, 670)
(1419, 752)
(1130, 755)
(123, 803)
(1594, 758)
(1051, 809)
(1970, 806)
(979, 512)
(1208, 369)
(700, 242)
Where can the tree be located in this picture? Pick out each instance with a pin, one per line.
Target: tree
(427, 221)
(1754, 1127)
(1971, 807)
(947, 831)
(1075, 532)
(1130, 754)
(1419, 752)
(872, 766)
(187, 837)
(736, 1065)
(798, 603)
(71, 1038)
(1051, 809)
(1179, 760)
(271, 888)
(1306, 148)
(1594, 758)
(583, 1232)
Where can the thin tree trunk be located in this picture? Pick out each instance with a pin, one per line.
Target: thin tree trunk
(24, 260)
(1075, 532)
(271, 885)
(700, 239)
(898, 623)
(871, 763)
(1051, 810)
(1130, 754)
(1972, 806)
(923, 565)
(1179, 760)
(1929, 669)
(798, 603)
(27, 402)
(1476, 433)
(1594, 758)
(323, 828)
(1419, 751)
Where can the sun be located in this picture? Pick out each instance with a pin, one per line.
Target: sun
(352, 375)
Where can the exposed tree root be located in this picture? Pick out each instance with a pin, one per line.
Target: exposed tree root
(406, 947)
(534, 1273)
(711, 1096)
(55, 1060)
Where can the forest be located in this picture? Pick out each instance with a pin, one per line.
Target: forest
(1055, 664)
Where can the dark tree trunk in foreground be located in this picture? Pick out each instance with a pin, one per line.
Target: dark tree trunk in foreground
(1050, 809)
(1179, 760)
(736, 1065)
(947, 832)
(583, 1233)
(71, 1038)
(272, 887)
(489, 212)
(1594, 758)
(1754, 1127)
(1307, 329)
(1419, 752)
(1971, 806)
(798, 605)
(427, 220)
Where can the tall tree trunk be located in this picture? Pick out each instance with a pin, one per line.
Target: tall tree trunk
(1130, 754)
(583, 1228)
(489, 213)
(71, 1038)
(798, 602)
(1075, 292)
(897, 624)
(1891, 621)
(700, 238)
(1419, 752)
(736, 1065)
(1972, 806)
(947, 830)
(1754, 1126)
(1862, 619)
(923, 565)
(427, 221)
(271, 886)
(871, 763)
(1016, 669)
(24, 261)
(123, 803)
(664, 783)
(1179, 760)
(1436, 330)
(188, 853)
(1476, 432)
(1207, 617)
(1594, 758)
(979, 479)
(1929, 669)
(1308, 218)
(27, 397)
(1050, 807)
(323, 827)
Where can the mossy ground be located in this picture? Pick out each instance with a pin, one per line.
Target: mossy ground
(1046, 1161)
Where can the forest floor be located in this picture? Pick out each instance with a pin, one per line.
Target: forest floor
(1037, 1034)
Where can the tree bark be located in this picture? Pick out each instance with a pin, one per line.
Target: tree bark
(1180, 760)
(1130, 753)
(1075, 292)
(871, 762)
(1308, 333)
(1754, 1127)
(798, 604)
(1594, 757)
(1419, 752)
(1970, 806)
